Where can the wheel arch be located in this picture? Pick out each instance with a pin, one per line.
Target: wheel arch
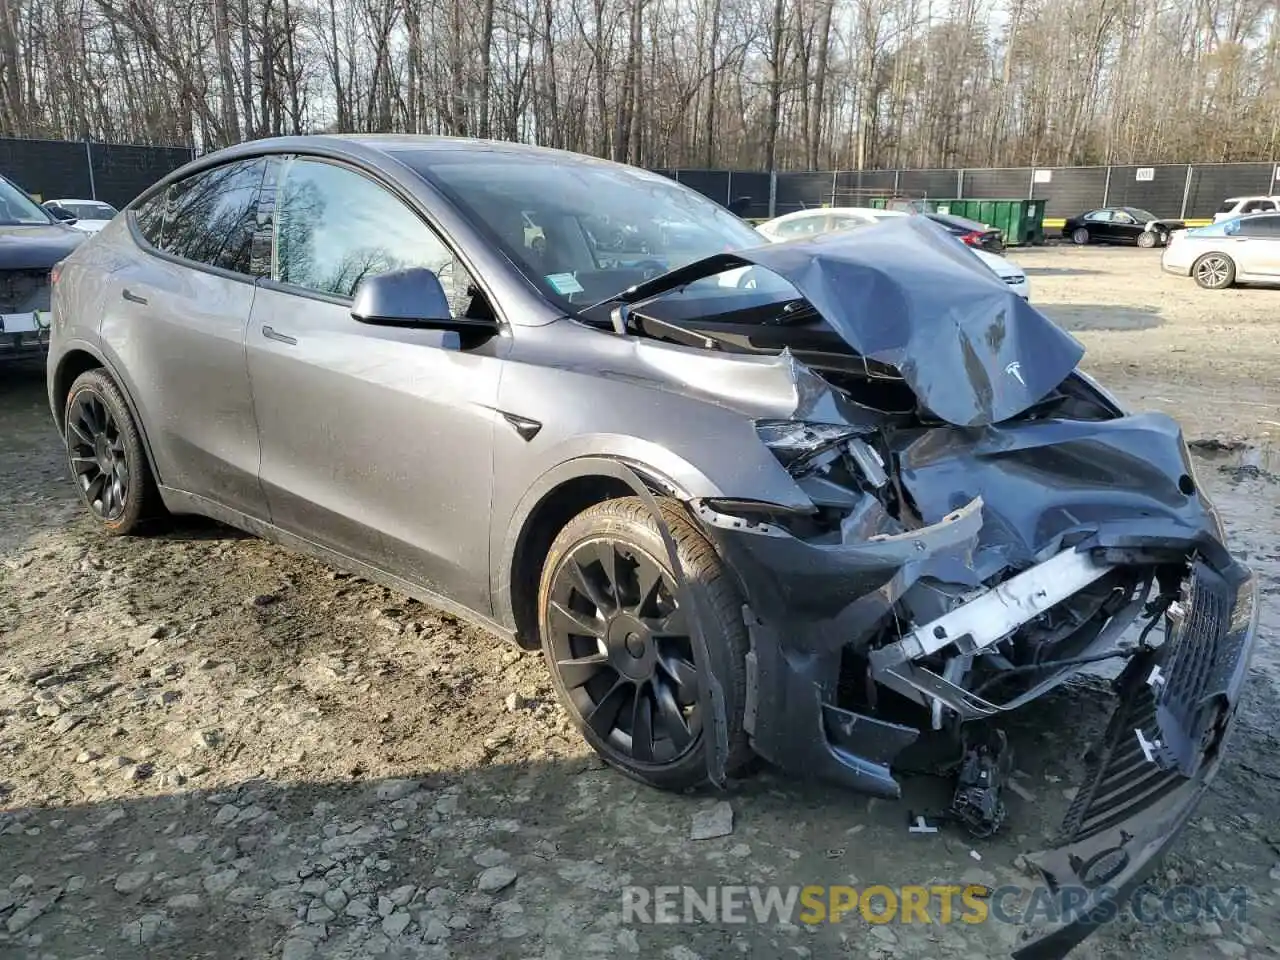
(558, 496)
(78, 359)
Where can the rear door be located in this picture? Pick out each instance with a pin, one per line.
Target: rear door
(1257, 246)
(175, 329)
(376, 441)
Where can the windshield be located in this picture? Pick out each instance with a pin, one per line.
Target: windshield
(18, 209)
(1143, 215)
(583, 232)
(84, 210)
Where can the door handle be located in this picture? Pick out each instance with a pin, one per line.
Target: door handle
(133, 297)
(272, 334)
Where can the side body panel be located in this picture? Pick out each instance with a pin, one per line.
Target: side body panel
(376, 441)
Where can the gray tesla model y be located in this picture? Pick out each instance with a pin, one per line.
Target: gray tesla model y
(808, 501)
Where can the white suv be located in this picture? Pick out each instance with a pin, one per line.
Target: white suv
(1235, 206)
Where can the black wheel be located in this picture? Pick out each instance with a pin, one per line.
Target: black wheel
(1147, 239)
(619, 647)
(106, 456)
(1079, 236)
(1214, 271)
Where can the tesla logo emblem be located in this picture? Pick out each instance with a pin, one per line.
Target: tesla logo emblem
(1015, 370)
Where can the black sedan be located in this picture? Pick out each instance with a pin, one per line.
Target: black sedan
(31, 242)
(1120, 225)
(970, 232)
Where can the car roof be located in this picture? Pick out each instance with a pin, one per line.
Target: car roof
(957, 220)
(825, 211)
(375, 150)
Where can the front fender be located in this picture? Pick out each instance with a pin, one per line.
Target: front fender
(661, 468)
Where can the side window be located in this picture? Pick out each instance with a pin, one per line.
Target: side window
(1227, 206)
(1099, 216)
(1253, 206)
(844, 223)
(801, 226)
(150, 218)
(334, 227)
(1260, 227)
(211, 216)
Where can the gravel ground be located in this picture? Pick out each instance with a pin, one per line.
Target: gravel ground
(213, 748)
(1211, 358)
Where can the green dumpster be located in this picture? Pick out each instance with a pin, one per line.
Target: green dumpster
(1019, 221)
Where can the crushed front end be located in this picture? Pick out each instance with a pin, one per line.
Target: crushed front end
(967, 573)
(984, 523)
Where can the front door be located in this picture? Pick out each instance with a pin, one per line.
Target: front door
(376, 441)
(176, 323)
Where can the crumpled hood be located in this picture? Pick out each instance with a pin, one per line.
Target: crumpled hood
(38, 246)
(907, 294)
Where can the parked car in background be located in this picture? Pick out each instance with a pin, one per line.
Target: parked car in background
(809, 223)
(31, 243)
(1120, 225)
(971, 233)
(89, 216)
(1241, 250)
(1239, 206)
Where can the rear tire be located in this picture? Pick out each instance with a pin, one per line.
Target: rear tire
(1080, 236)
(106, 455)
(1214, 271)
(618, 648)
(1147, 239)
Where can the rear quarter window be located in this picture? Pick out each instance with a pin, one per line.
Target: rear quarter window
(150, 219)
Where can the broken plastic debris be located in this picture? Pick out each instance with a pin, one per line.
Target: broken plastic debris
(1149, 747)
(916, 823)
(975, 854)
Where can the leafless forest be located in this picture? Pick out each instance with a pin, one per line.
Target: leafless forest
(744, 84)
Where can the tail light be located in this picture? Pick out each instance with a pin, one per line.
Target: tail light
(54, 273)
(972, 239)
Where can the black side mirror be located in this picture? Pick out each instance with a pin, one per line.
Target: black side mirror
(412, 297)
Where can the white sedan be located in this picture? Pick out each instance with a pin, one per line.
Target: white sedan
(90, 216)
(1240, 250)
(808, 223)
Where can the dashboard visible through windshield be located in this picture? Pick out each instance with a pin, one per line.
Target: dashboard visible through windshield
(585, 232)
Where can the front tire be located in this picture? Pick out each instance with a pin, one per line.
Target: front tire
(1079, 236)
(1214, 271)
(106, 456)
(619, 648)
(1147, 239)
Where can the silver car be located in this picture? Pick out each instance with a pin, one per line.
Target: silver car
(1240, 250)
(809, 501)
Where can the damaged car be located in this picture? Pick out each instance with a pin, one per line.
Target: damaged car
(31, 244)
(1120, 225)
(812, 502)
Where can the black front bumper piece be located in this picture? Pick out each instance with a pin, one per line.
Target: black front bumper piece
(1163, 744)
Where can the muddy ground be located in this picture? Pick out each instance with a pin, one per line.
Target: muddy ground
(211, 747)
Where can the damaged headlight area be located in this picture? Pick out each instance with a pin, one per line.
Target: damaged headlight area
(843, 474)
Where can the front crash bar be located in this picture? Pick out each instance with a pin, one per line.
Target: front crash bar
(1001, 610)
